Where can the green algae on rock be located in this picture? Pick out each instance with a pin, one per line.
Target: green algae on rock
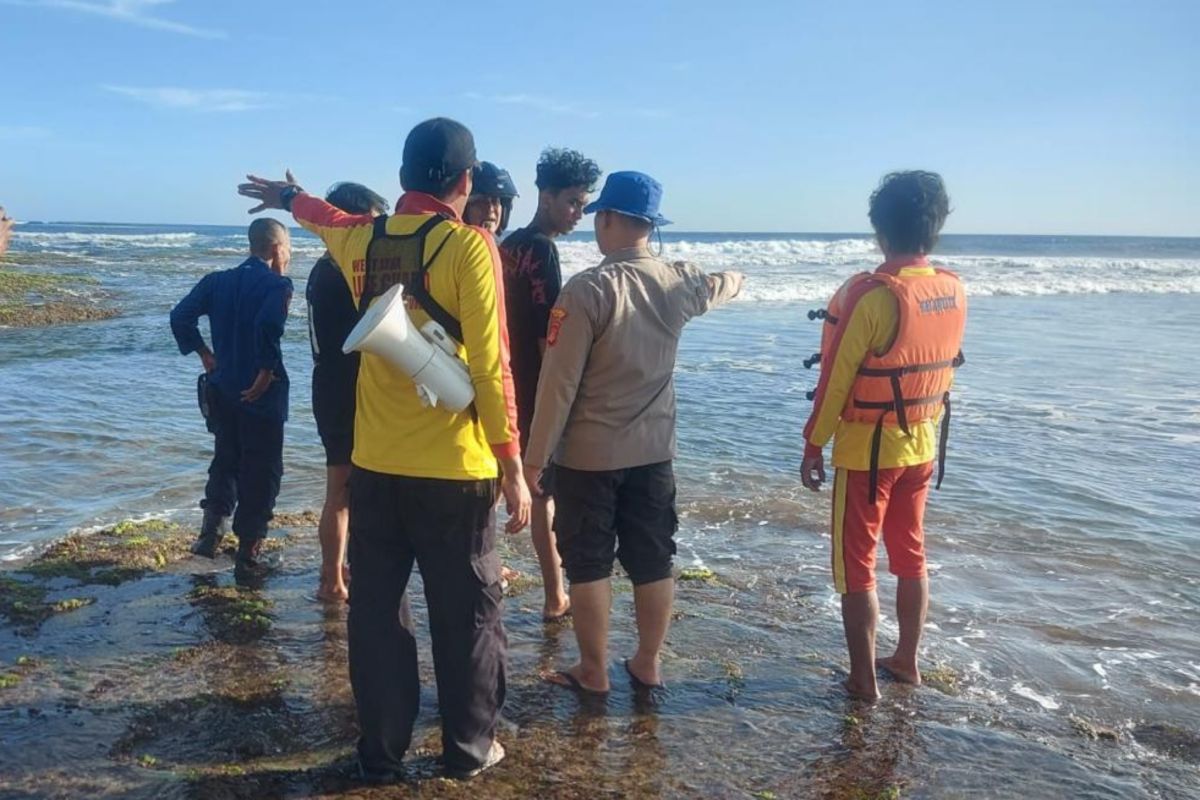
(29, 299)
(114, 555)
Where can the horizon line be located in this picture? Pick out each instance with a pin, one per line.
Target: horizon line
(731, 232)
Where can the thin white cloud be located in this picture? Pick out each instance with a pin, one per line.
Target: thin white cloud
(201, 100)
(652, 113)
(133, 12)
(22, 132)
(537, 102)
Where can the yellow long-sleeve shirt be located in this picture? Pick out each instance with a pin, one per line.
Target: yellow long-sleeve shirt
(871, 328)
(393, 432)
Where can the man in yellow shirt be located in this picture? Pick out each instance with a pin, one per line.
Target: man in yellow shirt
(424, 479)
(887, 362)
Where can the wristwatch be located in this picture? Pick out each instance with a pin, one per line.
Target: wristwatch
(287, 194)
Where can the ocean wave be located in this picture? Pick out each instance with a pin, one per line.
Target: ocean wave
(105, 240)
(803, 270)
(779, 270)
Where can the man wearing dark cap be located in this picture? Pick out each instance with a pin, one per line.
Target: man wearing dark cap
(492, 194)
(423, 481)
(605, 418)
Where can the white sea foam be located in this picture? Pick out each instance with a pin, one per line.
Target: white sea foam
(808, 270)
(782, 270)
(75, 241)
(1046, 702)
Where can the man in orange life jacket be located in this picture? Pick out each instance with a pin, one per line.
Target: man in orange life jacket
(891, 341)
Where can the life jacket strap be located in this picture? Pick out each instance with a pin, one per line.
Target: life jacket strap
(899, 372)
(873, 478)
(943, 439)
(898, 401)
(889, 405)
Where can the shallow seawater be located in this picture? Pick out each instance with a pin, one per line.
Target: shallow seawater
(1061, 654)
(157, 690)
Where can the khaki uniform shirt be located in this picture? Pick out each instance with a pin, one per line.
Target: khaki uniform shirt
(606, 394)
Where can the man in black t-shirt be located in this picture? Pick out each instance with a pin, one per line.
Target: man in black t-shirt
(331, 316)
(532, 281)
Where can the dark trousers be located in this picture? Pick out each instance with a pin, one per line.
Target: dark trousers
(626, 514)
(247, 466)
(446, 526)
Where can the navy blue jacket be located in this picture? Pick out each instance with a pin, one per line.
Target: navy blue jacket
(246, 308)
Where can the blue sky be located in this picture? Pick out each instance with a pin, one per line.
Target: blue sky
(1058, 117)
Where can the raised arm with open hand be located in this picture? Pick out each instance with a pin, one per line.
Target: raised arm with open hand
(268, 193)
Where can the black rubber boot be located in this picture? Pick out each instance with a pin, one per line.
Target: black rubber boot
(212, 530)
(250, 563)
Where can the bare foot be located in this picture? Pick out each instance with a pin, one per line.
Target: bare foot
(645, 671)
(333, 593)
(901, 671)
(508, 573)
(869, 693)
(574, 678)
(556, 612)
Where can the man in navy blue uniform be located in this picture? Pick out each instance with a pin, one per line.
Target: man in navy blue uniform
(247, 392)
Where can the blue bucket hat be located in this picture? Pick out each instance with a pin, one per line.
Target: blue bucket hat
(632, 193)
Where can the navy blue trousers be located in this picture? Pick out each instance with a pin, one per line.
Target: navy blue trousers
(247, 466)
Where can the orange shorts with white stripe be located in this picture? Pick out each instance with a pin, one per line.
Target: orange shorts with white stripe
(898, 514)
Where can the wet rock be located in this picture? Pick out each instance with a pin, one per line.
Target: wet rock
(942, 678)
(698, 575)
(232, 613)
(520, 584)
(31, 299)
(1170, 739)
(297, 519)
(1092, 730)
(114, 555)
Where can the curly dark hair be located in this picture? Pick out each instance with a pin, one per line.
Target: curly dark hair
(559, 168)
(909, 209)
(354, 198)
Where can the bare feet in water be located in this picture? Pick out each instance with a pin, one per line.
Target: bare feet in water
(900, 670)
(870, 692)
(334, 590)
(556, 612)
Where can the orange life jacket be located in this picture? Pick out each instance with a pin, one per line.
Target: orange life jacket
(910, 381)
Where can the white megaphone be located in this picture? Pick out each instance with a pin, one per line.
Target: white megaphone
(428, 355)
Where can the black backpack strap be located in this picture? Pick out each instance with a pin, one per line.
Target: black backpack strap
(417, 288)
(420, 292)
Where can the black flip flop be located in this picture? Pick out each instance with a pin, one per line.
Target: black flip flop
(572, 683)
(563, 617)
(640, 685)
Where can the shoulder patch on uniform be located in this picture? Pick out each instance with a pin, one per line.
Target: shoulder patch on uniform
(557, 315)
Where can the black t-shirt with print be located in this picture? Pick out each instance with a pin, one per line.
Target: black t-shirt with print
(532, 281)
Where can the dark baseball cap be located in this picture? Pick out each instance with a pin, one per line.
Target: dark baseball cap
(435, 150)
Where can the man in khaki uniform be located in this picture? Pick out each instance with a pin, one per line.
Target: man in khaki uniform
(605, 417)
